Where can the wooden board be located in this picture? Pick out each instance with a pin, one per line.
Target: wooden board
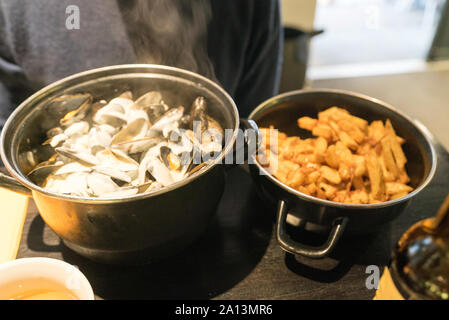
(12, 217)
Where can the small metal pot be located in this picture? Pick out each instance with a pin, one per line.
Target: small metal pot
(131, 230)
(282, 112)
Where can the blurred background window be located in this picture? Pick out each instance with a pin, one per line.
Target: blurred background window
(366, 31)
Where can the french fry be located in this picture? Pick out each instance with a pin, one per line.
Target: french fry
(349, 161)
(329, 191)
(310, 167)
(307, 123)
(304, 148)
(284, 167)
(342, 196)
(330, 174)
(303, 189)
(376, 132)
(344, 171)
(358, 163)
(320, 145)
(333, 114)
(362, 124)
(323, 130)
(347, 140)
(375, 175)
(305, 158)
(331, 157)
(359, 197)
(403, 177)
(312, 177)
(352, 130)
(397, 187)
(388, 176)
(343, 152)
(388, 159)
(398, 195)
(358, 183)
(311, 188)
(320, 193)
(295, 178)
(396, 148)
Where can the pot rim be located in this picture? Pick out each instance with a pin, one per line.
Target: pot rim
(197, 77)
(428, 137)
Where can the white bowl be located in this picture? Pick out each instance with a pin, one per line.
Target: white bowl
(31, 274)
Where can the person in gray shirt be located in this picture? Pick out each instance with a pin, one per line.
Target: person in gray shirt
(234, 42)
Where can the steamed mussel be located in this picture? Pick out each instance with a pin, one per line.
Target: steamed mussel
(124, 147)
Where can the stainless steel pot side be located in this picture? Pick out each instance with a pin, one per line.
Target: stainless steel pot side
(283, 111)
(131, 230)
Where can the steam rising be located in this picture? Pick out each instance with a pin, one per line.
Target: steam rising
(170, 32)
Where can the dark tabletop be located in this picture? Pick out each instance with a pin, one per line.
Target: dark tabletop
(238, 257)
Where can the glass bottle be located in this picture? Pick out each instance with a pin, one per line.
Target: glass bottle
(419, 266)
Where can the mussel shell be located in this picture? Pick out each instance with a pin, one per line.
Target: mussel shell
(170, 116)
(43, 170)
(171, 160)
(114, 173)
(199, 108)
(134, 130)
(149, 99)
(160, 172)
(100, 184)
(102, 141)
(82, 157)
(138, 145)
(77, 104)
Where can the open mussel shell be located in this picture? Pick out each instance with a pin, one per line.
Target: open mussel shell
(114, 173)
(55, 140)
(100, 184)
(71, 167)
(160, 171)
(54, 132)
(198, 108)
(149, 99)
(151, 102)
(43, 170)
(126, 95)
(134, 130)
(138, 145)
(171, 116)
(114, 158)
(78, 105)
(196, 168)
(171, 160)
(124, 157)
(113, 113)
(81, 157)
(74, 184)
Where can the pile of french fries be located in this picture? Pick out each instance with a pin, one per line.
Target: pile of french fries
(350, 161)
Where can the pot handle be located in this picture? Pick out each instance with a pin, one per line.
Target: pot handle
(251, 141)
(289, 245)
(10, 183)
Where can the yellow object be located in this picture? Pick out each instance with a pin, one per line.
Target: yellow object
(387, 290)
(13, 210)
(45, 295)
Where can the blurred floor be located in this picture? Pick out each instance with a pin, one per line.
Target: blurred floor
(424, 96)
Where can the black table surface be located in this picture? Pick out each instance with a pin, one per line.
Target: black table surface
(238, 257)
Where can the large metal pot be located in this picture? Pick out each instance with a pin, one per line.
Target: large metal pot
(135, 229)
(282, 111)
